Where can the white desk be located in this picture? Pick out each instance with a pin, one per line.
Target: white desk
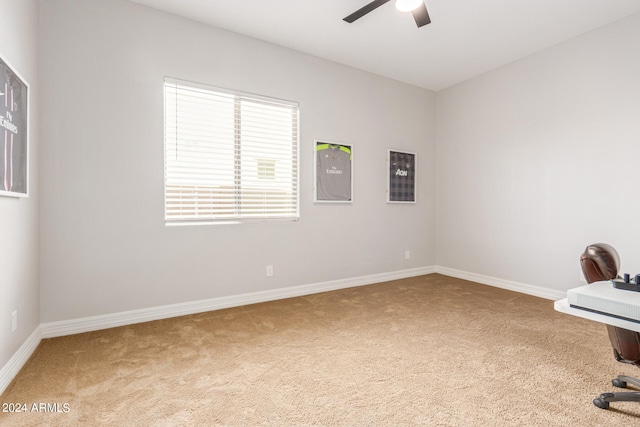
(564, 307)
(610, 295)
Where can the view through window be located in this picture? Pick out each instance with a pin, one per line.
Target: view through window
(229, 156)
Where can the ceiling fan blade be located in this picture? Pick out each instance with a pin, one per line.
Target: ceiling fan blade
(364, 10)
(421, 15)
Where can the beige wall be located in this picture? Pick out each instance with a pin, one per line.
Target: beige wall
(538, 159)
(105, 246)
(19, 228)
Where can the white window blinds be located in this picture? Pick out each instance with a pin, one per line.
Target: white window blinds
(229, 156)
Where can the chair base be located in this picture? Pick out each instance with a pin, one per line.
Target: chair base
(621, 381)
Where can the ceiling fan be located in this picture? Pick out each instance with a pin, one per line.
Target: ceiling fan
(416, 7)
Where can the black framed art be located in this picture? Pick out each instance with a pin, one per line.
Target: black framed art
(402, 173)
(14, 139)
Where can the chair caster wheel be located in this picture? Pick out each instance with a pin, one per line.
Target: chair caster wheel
(619, 383)
(600, 403)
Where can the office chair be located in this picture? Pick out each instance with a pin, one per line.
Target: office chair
(601, 262)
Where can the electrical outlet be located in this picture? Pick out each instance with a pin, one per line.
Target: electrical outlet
(407, 254)
(14, 321)
(269, 270)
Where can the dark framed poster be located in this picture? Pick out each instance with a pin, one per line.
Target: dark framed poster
(333, 172)
(14, 139)
(402, 172)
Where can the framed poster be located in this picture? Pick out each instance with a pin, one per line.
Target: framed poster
(402, 173)
(14, 140)
(333, 172)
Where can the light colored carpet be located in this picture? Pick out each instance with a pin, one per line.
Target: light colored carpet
(430, 350)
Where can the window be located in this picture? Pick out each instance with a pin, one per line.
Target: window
(229, 156)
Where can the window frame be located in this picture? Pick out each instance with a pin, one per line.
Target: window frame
(291, 199)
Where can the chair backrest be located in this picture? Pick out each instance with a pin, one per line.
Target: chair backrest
(602, 262)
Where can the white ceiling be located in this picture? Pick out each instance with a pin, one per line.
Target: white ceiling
(464, 39)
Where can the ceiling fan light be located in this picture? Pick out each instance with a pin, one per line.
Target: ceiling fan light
(408, 5)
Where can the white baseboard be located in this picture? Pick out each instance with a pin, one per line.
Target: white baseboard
(11, 369)
(94, 323)
(551, 294)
